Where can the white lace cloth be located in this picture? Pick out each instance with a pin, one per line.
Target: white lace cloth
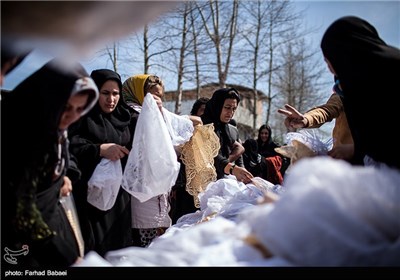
(180, 128)
(152, 166)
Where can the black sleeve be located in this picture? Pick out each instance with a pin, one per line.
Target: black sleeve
(235, 136)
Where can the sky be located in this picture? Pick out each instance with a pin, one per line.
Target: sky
(384, 15)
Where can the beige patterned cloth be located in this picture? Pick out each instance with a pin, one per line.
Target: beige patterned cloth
(198, 156)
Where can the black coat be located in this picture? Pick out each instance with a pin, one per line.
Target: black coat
(226, 132)
(31, 213)
(368, 72)
(102, 231)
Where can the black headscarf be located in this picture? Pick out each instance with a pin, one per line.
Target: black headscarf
(212, 114)
(101, 76)
(266, 149)
(214, 106)
(39, 101)
(121, 116)
(368, 71)
(100, 127)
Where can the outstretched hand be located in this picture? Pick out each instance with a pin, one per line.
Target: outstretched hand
(294, 119)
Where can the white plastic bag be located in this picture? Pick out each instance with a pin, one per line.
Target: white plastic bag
(152, 166)
(104, 184)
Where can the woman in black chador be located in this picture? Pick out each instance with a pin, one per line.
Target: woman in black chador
(219, 110)
(103, 133)
(367, 70)
(36, 170)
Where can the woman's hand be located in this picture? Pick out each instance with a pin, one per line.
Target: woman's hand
(66, 188)
(113, 151)
(294, 119)
(237, 151)
(195, 120)
(241, 173)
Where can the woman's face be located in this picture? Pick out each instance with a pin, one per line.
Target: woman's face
(228, 110)
(109, 96)
(73, 110)
(264, 135)
(157, 90)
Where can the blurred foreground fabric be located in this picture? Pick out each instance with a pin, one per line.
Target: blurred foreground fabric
(329, 213)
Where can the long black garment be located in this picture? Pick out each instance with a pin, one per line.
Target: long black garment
(32, 217)
(368, 71)
(102, 230)
(226, 132)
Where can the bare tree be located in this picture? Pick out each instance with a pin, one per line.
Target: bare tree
(254, 37)
(262, 24)
(183, 44)
(150, 46)
(297, 81)
(201, 40)
(185, 16)
(280, 22)
(113, 55)
(195, 49)
(146, 57)
(221, 33)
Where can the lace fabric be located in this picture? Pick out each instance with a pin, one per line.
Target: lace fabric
(198, 156)
(180, 128)
(152, 166)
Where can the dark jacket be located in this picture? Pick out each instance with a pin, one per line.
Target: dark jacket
(102, 230)
(31, 213)
(255, 163)
(226, 133)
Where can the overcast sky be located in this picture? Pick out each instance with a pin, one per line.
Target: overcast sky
(384, 15)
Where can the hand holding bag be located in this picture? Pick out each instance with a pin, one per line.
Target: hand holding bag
(104, 184)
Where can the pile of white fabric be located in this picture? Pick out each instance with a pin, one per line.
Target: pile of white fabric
(329, 214)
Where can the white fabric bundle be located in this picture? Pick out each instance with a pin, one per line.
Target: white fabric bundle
(104, 184)
(334, 214)
(152, 166)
